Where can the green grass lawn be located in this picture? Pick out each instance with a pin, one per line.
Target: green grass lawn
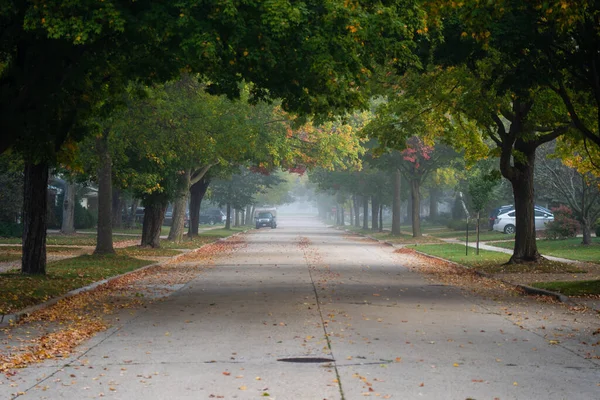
(8, 257)
(568, 248)
(18, 291)
(79, 239)
(576, 288)
(137, 251)
(403, 238)
(49, 249)
(491, 261)
(202, 239)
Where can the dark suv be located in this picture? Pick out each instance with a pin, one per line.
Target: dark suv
(213, 216)
(265, 218)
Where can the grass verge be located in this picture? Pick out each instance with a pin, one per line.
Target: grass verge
(18, 291)
(79, 239)
(137, 251)
(491, 262)
(403, 238)
(567, 248)
(8, 257)
(49, 249)
(200, 240)
(576, 288)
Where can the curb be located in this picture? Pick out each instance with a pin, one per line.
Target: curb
(10, 319)
(529, 290)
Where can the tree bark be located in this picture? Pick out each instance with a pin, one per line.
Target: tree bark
(228, 222)
(342, 221)
(68, 218)
(248, 215)
(586, 230)
(355, 202)
(521, 179)
(154, 214)
(380, 217)
(179, 209)
(117, 208)
(374, 213)
(197, 192)
(237, 217)
(366, 210)
(396, 210)
(251, 215)
(434, 195)
(35, 203)
(415, 186)
(104, 244)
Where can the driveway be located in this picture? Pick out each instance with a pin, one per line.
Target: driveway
(304, 312)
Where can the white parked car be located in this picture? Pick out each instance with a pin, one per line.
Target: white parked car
(506, 221)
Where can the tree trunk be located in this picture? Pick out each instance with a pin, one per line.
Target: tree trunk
(251, 215)
(396, 210)
(197, 192)
(248, 215)
(117, 208)
(434, 195)
(228, 222)
(236, 213)
(415, 196)
(366, 212)
(522, 184)
(68, 218)
(374, 213)
(104, 244)
(585, 223)
(355, 202)
(380, 217)
(35, 203)
(586, 231)
(179, 209)
(154, 214)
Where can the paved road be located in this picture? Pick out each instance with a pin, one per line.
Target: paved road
(306, 293)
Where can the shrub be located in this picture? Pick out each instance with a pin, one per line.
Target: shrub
(564, 225)
(11, 229)
(598, 228)
(84, 218)
(461, 224)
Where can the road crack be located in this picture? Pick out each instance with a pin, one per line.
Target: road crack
(311, 258)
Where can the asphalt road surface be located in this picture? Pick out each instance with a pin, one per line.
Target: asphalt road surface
(305, 312)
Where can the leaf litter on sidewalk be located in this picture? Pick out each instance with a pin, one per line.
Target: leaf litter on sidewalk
(55, 331)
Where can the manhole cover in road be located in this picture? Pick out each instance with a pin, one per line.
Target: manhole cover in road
(306, 359)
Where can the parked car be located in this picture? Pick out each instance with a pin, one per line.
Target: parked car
(506, 221)
(495, 212)
(266, 218)
(212, 216)
(168, 220)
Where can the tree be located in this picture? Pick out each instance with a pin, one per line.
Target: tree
(57, 61)
(573, 183)
(240, 189)
(481, 190)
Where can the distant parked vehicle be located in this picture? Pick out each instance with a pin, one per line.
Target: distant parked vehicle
(168, 220)
(266, 218)
(496, 211)
(506, 220)
(212, 217)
